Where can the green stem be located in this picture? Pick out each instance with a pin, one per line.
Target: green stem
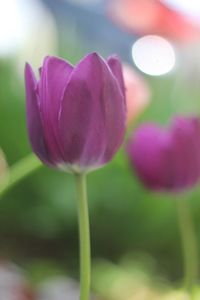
(18, 171)
(84, 236)
(189, 243)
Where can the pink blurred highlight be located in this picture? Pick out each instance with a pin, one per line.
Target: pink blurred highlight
(137, 93)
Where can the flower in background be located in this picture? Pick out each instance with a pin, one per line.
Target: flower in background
(154, 17)
(167, 159)
(76, 115)
(137, 93)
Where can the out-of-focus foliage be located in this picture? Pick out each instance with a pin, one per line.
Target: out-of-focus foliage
(3, 165)
(131, 280)
(38, 219)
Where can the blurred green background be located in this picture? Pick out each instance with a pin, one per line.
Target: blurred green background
(38, 218)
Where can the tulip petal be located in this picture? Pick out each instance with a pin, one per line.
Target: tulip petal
(34, 124)
(55, 73)
(92, 116)
(116, 68)
(186, 148)
(152, 163)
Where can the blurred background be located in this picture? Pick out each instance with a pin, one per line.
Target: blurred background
(135, 239)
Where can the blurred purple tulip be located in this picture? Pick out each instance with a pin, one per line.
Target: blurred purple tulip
(76, 115)
(167, 159)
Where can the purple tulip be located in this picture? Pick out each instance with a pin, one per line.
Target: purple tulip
(167, 159)
(76, 115)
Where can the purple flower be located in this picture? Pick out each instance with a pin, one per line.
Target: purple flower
(76, 115)
(167, 159)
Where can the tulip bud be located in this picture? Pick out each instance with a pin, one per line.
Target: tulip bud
(167, 159)
(76, 115)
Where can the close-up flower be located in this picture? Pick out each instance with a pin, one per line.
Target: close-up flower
(76, 115)
(76, 118)
(167, 158)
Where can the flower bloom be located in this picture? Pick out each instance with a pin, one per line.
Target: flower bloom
(76, 115)
(167, 159)
(154, 17)
(137, 93)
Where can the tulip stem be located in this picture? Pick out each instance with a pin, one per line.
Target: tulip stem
(18, 171)
(189, 244)
(84, 237)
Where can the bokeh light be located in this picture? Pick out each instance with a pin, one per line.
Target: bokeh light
(153, 55)
(11, 32)
(18, 24)
(191, 8)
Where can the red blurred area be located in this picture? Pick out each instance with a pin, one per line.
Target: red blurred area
(153, 17)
